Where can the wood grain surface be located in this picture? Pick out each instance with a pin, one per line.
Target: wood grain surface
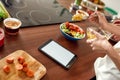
(14, 74)
(29, 39)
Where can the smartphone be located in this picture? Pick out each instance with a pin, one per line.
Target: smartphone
(58, 53)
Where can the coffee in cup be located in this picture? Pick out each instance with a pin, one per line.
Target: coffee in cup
(12, 25)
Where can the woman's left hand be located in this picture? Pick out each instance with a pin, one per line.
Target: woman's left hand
(99, 43)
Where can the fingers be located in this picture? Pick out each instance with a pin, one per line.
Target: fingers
(91, 42)
(96, 48)
(98, 35)
(100, 15)
(93, 17)
(97, 14)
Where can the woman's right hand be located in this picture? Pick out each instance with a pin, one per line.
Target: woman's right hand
(99, 18)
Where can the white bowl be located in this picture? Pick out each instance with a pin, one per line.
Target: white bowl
(85, 14)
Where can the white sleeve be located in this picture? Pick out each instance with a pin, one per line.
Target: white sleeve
(105, 68)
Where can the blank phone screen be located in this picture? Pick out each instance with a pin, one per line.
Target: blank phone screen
(58, 53)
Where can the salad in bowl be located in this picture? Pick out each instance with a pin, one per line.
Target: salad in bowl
(72, 31)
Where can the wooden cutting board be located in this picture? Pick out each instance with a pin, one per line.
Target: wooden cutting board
(14, 74)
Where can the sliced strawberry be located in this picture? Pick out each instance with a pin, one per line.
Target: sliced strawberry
(71, 27)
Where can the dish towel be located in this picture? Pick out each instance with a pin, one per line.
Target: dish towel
(105, 68)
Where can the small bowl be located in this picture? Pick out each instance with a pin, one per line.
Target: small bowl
(84, 14)
(80, 15)
(67, 33)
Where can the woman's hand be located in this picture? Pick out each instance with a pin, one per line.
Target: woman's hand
(99, 43)
(99, 18)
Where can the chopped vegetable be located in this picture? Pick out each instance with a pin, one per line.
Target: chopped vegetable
(77, 17)
(30, 73)
(19, 67)
(10, 60)
(3, 15)
(25, 69)
(6, 69)
(72, 30)
(21, 60)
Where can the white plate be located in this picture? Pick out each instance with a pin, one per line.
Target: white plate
(80, 15)
(86, 15)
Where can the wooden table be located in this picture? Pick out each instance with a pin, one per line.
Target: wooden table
(29, 39)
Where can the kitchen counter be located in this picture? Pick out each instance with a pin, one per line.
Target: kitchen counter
(29, 39)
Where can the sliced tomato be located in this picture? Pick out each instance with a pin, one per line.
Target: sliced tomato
(73, 27)
(6, 69)
(77, 30)
(82, 32)
(67, 24)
